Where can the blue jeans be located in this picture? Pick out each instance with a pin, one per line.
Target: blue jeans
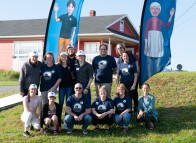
(67, 91)
(125, 119)
(70, 121)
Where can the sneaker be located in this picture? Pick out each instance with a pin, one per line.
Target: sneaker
(31, 127)
(125, 130)
(96, 128)
(65, 126)
(85, 132)
(46, 130)
(69, 131)
(55, 133)
(27, 134)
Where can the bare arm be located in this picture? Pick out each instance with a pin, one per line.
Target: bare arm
(56, 8)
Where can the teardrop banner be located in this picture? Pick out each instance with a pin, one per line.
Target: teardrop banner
(63, 26)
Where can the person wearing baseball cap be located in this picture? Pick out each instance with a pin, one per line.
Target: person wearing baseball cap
(32, 109)
(51, 115)
(30, 73)
(84, 73)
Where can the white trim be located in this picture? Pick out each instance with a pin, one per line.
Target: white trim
(109, 34)
(24, 36)
(132, 24)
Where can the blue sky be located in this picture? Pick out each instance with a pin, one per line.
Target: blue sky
(183, 40)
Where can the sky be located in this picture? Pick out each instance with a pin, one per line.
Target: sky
(183, 40)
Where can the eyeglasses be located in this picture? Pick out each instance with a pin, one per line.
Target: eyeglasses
(78, 88)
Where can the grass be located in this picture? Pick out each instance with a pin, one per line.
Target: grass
(175, 101)
(8, 78)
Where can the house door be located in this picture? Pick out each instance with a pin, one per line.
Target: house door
(21, 51)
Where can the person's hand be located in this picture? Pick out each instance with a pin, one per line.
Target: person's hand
(172, 11)
(80, 117)
(56, 7)
(132, 87)
(140, 114)
(52, 89)
(85, 91)
(99, 116)
(120, 117)
(76, 118)
(22, 93)
(41, 131)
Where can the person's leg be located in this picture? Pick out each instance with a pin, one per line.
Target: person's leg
(36, 123)
(66, 43)
(126, 119)
(95, 120)
(44, 95)
(69, 120)
(117, 121)
(68, 92)
(109, 87)
(55, 123)
(135, 99)
(61, 98)
(47, 122)
(26, 118)
(60, 45)
(86, 121)
(109, 119)
(88, 95)
(97, 86)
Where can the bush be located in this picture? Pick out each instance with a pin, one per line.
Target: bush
(9, 74)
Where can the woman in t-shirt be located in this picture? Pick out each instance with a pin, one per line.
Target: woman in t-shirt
(122, 104)
(66, 86)
(127, 74)
(51, 115)
(32, 109)
(102, 109)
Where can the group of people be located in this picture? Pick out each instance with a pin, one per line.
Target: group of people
(73, 75)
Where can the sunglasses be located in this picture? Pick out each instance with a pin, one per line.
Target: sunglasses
(78, 88)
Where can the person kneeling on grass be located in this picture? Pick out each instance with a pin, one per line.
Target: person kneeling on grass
(30, 116)
(51, 115)
(103, 109)
(122, 103)
(146, 108)
(78, 110)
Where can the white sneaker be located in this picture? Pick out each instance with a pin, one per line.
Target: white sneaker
(65, 126)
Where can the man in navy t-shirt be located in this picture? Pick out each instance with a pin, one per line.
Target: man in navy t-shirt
(104, 66)
(77, 110)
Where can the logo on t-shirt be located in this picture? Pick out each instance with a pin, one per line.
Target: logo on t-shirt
(47, 75)
(102, 64)
(101, 108)
(120, 106)
(77, 108)
(125, 71)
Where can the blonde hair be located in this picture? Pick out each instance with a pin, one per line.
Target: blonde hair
(121, 86)
(122, 46)
(103, 87)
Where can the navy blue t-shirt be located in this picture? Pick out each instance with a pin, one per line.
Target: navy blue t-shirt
(49, 76)
(126, 72)
(121, 104)
(103, 68)
(102, 106)
(78, 105)
(68, 22)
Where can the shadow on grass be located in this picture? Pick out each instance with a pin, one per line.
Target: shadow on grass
(172, 120)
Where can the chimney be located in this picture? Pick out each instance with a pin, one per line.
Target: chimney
(92, 13)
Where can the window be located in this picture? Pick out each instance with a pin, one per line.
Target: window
(121, 25)
(91, 47)
(22, 48)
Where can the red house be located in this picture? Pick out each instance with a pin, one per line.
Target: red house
(19, 37)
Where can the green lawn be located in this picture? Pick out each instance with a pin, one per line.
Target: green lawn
(175, 101)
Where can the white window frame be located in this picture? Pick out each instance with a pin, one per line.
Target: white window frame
(121, 28)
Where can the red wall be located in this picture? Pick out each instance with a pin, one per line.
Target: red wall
(6, 52)
(116, 27)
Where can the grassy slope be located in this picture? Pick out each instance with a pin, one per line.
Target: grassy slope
(175, 101)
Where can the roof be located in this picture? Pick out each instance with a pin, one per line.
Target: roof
(34, 27)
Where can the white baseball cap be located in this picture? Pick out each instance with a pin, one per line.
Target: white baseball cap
(34, 53)
(64, 53)
(80, 53)
(33, 86)
(51, 94)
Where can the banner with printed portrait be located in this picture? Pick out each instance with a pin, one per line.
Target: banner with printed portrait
(63, 25)
(156, 29)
